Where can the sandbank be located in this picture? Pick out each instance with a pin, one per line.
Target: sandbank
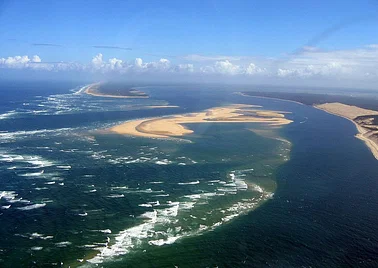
(93, 90)
(172, 126)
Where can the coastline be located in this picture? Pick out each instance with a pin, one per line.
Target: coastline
(174, 126)
(373, 147)
(90, 90)
(271, 98)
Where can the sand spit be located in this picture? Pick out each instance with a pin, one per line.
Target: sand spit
(263, 97)
(368, 131)
(93, 90)
(172, 126)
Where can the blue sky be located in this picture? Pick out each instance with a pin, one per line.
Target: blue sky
(248, 28)
(254, 30)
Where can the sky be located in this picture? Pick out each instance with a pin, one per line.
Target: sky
(325, 43)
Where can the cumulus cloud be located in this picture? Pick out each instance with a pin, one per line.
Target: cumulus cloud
(115, 64)
(19, 61)
(331, 69)
(226, 67)
(36, 58)
(138, 63)
(309, 64)
(97, 61)
(253, 69)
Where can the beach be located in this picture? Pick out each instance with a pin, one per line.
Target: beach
(351, 113)
(172, 126)
(264, 97)
(93, 90)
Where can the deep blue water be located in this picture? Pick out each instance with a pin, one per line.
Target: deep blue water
(94, 187)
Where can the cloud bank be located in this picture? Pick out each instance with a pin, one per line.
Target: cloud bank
(356, 67)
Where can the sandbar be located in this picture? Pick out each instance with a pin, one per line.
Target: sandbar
(93, 90)
(172, 126)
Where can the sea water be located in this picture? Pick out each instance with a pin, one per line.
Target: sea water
(228, 195)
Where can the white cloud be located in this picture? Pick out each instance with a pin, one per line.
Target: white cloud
(310, 64)
(226, 67)
(138, 63)
(19, 62)
(331, 69)
(97, 61)
(184, 68)
(253, 69)
(36, 58)
(115, 64)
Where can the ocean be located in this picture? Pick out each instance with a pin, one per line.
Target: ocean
(228, 195)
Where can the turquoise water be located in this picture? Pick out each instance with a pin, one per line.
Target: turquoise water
(230, 195)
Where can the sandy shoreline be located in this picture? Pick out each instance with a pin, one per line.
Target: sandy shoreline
(351, 112)
(271, 98)
(172, 126)
(161, 106)
(92, 90)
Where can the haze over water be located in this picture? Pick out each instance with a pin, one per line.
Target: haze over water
(228, 195)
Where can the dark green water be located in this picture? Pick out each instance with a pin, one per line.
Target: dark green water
(71, 196)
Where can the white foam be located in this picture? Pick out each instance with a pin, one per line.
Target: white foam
(81, 90)
(64, 167)
(228, 189)
(180, 218)
(120, 187)
(41, 188)
(28, 133)
(188, 183)
(30, 207)
(193, 196)
(187, 205)
(12, 168)
(133, 237)
(160, 242)
(145, 205)
(39, 162)
(8, 195)
(115, 196)
(163, 162)
(8, 114)
(257, 188)
(36, 236)
(33, 174)
(161, 195)
(63, 244)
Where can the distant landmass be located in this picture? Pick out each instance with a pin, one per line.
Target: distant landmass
(313, 99)
(114, 90)
(362, 112)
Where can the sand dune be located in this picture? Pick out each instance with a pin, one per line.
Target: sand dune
(172, 126)
(367, 130)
